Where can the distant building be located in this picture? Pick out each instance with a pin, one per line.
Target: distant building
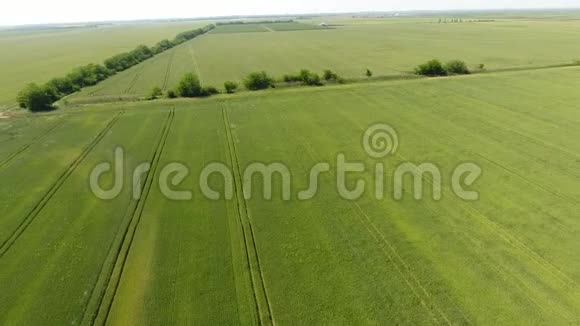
(323, 25)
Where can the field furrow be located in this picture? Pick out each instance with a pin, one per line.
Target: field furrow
(25, 147)
(106, 287)
(263, 306)
(7, 244)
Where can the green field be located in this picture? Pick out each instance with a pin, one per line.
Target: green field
(37, 56)
(67, 257)
(387, 47)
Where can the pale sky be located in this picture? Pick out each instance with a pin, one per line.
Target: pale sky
(16, 12)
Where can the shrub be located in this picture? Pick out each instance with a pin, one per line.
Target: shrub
(230, 87)
(481, 67)
(457, 67)
(328, 75)
(156, 93)
(37, 98)
(171, 94)
(291, 78)
(309, 78)
(209, 90)
(369, 73)
(432, 68)
(189, 86)
(258, 80)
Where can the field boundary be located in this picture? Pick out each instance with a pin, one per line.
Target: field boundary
(265, 317)
(105, 288)
(29, 218)
(34, 141)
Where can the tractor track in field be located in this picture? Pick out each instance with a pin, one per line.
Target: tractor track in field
(29, 218)
(500, 231)
(34, 141)
(195, 65)
(393, 255)
(506, 235)
(98, 308)
(135, 78)
(168, 70)
(264, 317)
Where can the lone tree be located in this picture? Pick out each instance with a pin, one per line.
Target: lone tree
(369, 73)
(189, 86)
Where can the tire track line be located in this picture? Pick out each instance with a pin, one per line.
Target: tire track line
(105, 289)
(538, 185)
(496, 227)
(509, 238)
(168, 71)
(135, 78)
(264, 317)
(7, 244)
(34, 141)
(268, 28)
(195, 65)
(379, 237)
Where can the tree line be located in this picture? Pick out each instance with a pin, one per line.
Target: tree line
(241, 22)
(190, 85)
(41, 97)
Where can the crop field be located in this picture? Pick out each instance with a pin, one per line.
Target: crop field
(508, 258)
(36, 56)
(273, 27)
(239, 28)
(389, 48)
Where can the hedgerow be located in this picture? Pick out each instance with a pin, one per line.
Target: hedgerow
(41, 97)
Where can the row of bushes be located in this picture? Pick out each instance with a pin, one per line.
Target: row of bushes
(435, 68)
(190, 85)
(41, 97)
(126, 60)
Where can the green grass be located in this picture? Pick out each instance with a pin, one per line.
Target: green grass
(37, 56)
(384, 48)
(509, 258)
(295, 26)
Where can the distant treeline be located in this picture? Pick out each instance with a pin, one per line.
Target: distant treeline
(41, 97)
(254, 22)
(461, 20)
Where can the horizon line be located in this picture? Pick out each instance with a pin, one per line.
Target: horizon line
(311, 14)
